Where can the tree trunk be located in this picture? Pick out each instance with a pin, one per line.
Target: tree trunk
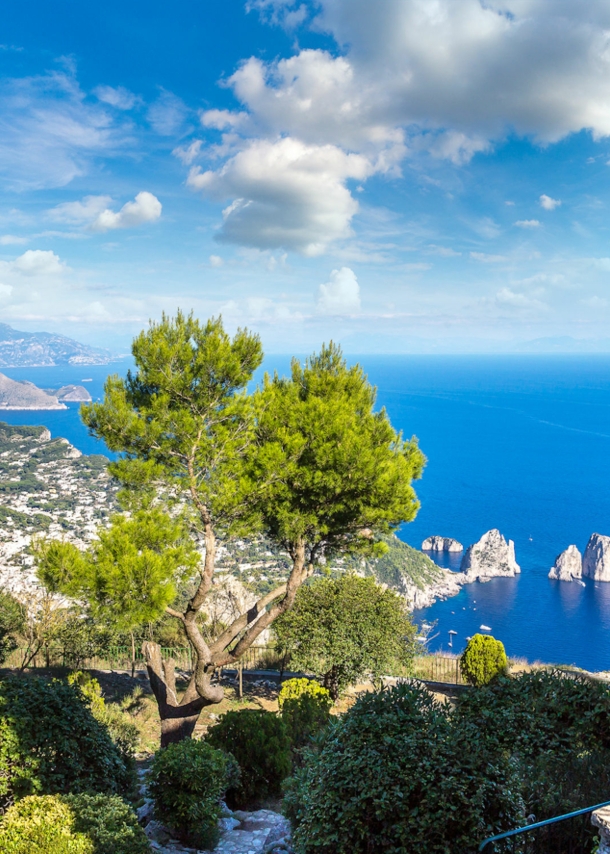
(331, 683)
(178, 718)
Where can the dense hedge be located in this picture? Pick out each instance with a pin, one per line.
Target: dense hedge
(50, 742)
(259, 742)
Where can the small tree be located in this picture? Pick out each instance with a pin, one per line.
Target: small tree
(12, 623)
(305, 460)
(483, 659)
(346, 629)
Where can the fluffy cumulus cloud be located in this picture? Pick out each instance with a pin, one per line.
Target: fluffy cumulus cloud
(410, 78)
(340, 295)
(94, 212)
(35, 262)
(284, 193)
(49, 133)
(548, 203)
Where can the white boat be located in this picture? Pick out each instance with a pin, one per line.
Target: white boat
(88, 380)
(485, 628)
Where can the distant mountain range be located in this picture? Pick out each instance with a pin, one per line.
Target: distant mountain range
(44, 349)
(21, 394)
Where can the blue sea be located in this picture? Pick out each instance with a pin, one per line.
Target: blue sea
(518, 443)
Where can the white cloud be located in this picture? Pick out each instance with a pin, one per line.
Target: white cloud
(595, 302)
(10, 239)
(340, 295)
(528, 223)
(484, 258)
(513, 299)
(49, 133)
(37, 262)
(223, 119)
(77, 213)
(5, 291)
(216, 261)
(144, 208)
(167, 114)
(187, 154)
(118, 97)
(284, 194)
(548, 203)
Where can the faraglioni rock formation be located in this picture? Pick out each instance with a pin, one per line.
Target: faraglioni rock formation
(441, 544)
(567, 566)
(491, 557)
(596, 559)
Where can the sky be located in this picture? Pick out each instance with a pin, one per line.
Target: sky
(404, 176)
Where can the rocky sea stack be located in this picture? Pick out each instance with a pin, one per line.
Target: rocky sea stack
(596, 560)
(567, 566)
(491, 557)
(441, 544)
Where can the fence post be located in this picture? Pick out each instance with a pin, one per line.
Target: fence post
(240, 669)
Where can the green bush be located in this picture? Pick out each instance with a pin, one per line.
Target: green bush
(12, 621)
(396, 774)
(123, 731)
(259, 742)
(109, 822)
(50, 742)
(42, 825)
(305, 707)
(483, 660)
(187, 781)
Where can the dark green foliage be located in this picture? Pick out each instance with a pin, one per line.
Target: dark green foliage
(109, 822)
(259, 742)
(42, 825)
(50, 742)
(345, 629)
(187, 781)
(483, 660)
(80, 638)
(394, 774)
(402, 563)
(12, 621)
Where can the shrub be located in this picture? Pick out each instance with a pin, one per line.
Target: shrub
(123, 731)
(259, 742)
(305, 706)
(42, 825)
(51, 743)
(483, 659)
(187, 781)
(12, 620)
(396, 774)
(109, 823)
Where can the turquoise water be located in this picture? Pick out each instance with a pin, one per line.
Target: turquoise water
(518, 443)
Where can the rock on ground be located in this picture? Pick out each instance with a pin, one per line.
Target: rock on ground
(441, 544)
(596, 560)
(568, 565)
(491, 557)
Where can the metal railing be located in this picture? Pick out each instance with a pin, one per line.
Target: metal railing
(438, 668)
(545, 837)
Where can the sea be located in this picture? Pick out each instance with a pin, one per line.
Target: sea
(519, 443)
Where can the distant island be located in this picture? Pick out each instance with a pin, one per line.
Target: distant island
(16, 394)
(45, 350)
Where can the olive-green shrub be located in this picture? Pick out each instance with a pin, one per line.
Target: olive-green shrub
(483, 660)
(395, 773)
(259, 742)
(42, 825)
(50, 742)
(121, 728)
(187, 781)
(109, 822)
(305, 708)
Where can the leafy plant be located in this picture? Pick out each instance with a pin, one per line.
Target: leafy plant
(42, 825)
(50, 742)
(109, 822)
(345, 629)
(12, 620)
(483, 660)
(305, 708)
(395, 774)
(294, 689)
(259, 742)
(187, 781)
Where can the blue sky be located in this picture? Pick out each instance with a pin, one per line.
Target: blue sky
(403, 176)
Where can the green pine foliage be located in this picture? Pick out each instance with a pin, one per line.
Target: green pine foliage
(259, 742)
(483, 659)
(187, 781)
(345, 629)
(51, 743)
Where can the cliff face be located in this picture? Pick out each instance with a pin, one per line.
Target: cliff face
(491, 557)
(441, 544)
(567, 566)
(596, 560)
